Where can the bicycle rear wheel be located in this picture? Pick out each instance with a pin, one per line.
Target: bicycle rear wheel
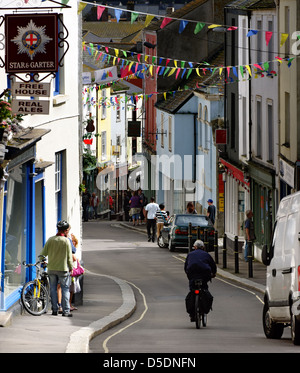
(35, 302)
(197, 311)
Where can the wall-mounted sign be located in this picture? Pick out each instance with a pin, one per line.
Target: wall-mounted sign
(134, 128)
(31, 43)
(30, 89)
(221, 136)
(30, 106)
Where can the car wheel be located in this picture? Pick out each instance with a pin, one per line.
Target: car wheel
(171, 246)
(295, 329)
(272, 330)
(160, 242)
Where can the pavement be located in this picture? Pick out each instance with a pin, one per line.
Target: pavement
(107, 301)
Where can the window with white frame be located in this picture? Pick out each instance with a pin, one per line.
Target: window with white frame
(162, 142)
(103, 145)
(270, 119)
(258, 127)
(118, 108)
(103, 104)
(170, 133)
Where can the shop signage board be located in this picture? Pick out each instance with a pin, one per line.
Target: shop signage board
(30, 89)
(30, 106)
(31, 43)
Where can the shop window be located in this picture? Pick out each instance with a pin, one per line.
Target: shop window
(15, 233)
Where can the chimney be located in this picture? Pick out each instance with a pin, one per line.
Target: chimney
(170, 10)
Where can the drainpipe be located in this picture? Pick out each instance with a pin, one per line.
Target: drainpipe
(250, 117)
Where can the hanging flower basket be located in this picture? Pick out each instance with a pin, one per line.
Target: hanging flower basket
(88, 141)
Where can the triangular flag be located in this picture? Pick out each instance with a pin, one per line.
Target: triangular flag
(252, 32)
(268, 37)
(81, 6)
(172, 71)
(134, 17)
(258, 66)
(117, 52)
(177, 73)
(231, 28)
(148, 20)
(199, 27)
(165, 22)
(249, 70)
(182, 26)
(242, 71)
(214, 26)
(100, 10)
(118, 13)
(283, 39)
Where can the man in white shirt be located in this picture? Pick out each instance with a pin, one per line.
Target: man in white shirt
(150, 213)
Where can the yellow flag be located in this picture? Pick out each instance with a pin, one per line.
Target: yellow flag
(283, 39)
(151, 69)
(148, 20)
(81, 6)
(213, 26)
(197, 71)
(165, 95)
(117, 52)
(248, 68)
(172, 71)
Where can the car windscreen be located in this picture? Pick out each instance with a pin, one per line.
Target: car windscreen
(196, 220)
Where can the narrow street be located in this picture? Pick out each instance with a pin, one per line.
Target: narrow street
(160, 323)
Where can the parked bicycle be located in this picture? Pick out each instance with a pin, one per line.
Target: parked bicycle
(35, 294)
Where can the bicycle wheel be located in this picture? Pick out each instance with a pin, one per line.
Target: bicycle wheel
(204, 319)
(197, 311)
(35, 302)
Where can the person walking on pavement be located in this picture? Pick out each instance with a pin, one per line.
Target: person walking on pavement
(86, 204)
(211, 211)
(60, 263)
(150, 214)
(94, 204)
(161, 218)
(249, 233)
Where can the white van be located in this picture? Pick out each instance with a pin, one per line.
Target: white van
(282, 296)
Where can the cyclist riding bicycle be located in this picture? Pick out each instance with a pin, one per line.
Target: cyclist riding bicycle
(198, 265)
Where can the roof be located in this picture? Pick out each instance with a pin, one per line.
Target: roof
(173, 103)
(180, 13)
(251, 4)
(114, 31)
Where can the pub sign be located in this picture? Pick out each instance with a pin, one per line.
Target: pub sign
(31, 43)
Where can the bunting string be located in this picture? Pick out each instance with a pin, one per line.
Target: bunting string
(182, 22)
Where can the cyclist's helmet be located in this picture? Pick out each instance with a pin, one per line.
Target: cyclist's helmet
(62, 225)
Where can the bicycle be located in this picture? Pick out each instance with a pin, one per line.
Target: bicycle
(203, 302)
(35, 295)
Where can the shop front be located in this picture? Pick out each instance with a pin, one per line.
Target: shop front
(23, 222)
(237, 202)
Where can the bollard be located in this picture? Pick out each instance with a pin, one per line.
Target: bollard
(206, 240)
(250, 259)
(224, 251)
(198, 233)
(216, 247)
(236, 255)
(190, 237)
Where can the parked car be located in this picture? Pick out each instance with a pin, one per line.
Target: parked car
(175, 232)
(282, 294)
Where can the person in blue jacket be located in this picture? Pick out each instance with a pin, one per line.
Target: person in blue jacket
(199, 265)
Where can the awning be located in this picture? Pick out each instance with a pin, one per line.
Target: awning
(237, 174)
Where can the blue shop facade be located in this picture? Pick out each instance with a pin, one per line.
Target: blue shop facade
(22, 201)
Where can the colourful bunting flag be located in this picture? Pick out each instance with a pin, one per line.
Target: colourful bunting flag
(214, 26)
(148, 20)
(232, 28)
(118, 13)
(165, 22)
(182, 26)
(268, 36)
(252, 32)
(283, 39)
(199, 27)
(100, 10)
(134, 17)
(81, 6)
